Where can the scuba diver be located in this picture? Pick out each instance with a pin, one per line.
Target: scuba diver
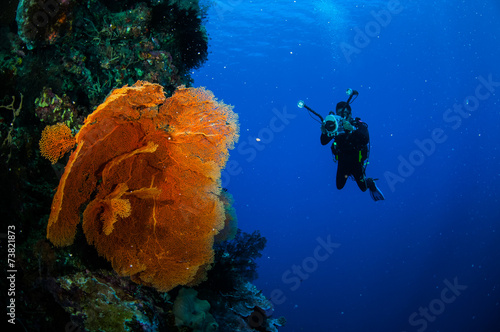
(351, 145)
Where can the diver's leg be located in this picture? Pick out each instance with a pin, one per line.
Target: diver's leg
(360, 177)
(342, 174)
(375, 193)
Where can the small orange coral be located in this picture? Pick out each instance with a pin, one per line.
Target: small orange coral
(150, 169)
(56, 141)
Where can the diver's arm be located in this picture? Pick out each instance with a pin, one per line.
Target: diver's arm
(361, 135)
(325, 139)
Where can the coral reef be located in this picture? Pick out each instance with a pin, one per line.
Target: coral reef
(249, 309)
(87, 48)
(103, 301)
(44, 22)
(59, 60)
(100, 302)
(155, 165)
(65, 57)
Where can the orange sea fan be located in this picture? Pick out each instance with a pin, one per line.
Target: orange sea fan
(150, 167)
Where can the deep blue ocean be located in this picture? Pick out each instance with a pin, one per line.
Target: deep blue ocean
(428, 75)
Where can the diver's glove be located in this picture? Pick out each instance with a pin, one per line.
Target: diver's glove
(347, 125)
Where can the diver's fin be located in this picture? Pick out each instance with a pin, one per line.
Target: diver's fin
(375, 193)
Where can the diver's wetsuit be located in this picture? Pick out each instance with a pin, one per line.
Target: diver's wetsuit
(347, 150)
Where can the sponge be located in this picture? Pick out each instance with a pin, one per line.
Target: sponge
(192, 312)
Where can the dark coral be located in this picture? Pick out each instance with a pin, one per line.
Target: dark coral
(234, 299)
(184, 25)
(236, 261)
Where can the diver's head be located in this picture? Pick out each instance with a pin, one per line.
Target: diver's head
(343, 109)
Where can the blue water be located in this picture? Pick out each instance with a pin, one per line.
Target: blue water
(425, 259)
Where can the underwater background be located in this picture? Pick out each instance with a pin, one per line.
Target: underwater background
(439, 222)
(428, 76)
